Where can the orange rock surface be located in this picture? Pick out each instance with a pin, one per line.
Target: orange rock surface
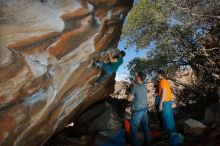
(45, 50)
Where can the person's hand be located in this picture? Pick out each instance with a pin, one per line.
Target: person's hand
(160, 107)
(109, 52)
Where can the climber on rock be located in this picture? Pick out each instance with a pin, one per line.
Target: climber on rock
(138, 98)
(109, 68)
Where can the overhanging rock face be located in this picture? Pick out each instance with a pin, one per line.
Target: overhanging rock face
(45, 50)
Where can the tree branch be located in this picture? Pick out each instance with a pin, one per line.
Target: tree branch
(187, 10)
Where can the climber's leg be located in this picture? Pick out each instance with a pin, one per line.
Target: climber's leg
(106, 72)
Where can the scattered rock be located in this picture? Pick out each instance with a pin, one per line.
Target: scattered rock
(193, 127)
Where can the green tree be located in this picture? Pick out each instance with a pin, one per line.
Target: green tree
(185, 33)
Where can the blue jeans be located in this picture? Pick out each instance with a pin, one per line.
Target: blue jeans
(139, 117)
(168, 119)
(107, 71)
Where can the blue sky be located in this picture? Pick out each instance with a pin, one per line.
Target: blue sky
(131, 53)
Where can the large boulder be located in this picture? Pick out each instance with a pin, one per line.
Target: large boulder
(46, 47)
(100, 117)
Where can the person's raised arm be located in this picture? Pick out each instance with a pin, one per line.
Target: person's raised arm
(111, 58)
